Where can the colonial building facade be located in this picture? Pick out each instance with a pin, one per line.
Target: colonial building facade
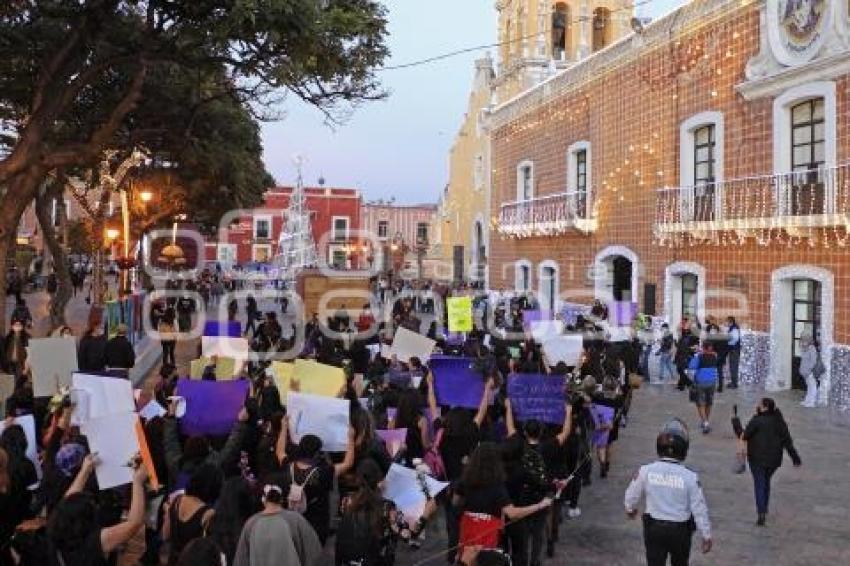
(252, 236)
(697, 167)
(537, 39)
(403, 232)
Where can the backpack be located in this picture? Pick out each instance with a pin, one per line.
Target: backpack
(434, 459)
(297, 499)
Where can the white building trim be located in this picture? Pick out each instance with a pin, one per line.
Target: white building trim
(572, 168)
(518, 265)
(673, 290)
(781, 331)
(687, 143)
(782, 122)
(519, 180)
(601, 283)
(542, 296)
(267, 218)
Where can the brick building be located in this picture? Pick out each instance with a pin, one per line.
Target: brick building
(398, 227)
(697, 167)
(253, 236)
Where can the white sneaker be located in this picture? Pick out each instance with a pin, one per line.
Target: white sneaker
(574, 512)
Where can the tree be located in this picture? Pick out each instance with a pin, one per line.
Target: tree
(71, 73)
(49, 193)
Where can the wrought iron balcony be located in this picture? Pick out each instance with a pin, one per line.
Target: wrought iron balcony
(550, 215)
(815, 198)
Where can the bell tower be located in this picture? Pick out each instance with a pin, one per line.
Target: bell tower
(540, 37)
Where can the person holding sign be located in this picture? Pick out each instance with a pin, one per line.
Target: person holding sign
(72, 531)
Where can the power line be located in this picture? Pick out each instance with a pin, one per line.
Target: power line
(450, 54)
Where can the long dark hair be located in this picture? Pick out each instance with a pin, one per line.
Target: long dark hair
(235, 505)
(408, 410)
(485, 468)
(72, 521)
(366, 502)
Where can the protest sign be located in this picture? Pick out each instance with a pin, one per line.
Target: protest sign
(96, 396)
(407, 344)
(318, 379)
(27, 422)
(226, 347)
(152, 410)
(528, 317)
(281, 373)
(543, 329)
(537, 396)
(232, 328)
(459, 311)
(622, 313)
(225, 368)
(456, 382)
(52, 361)
(567, 349)
(113, 438)
(211, 406)
(394, 439)
(324, 417)
(145, 454)
(407, 489)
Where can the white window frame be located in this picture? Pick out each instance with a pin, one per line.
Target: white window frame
(687, 166)
(262, 217)
(518, 265)
(347, 228)
(782, 132)
(333, 248)
(556, 288)
(572, 171)
(257, 247)
(233, 253)
(519, 180)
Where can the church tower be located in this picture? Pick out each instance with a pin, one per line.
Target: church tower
(540, 37)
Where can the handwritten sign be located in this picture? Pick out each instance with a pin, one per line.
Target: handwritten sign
(459, 311)
(456, 382)
(407, 344)
(52, 361)
(567, 349)
(537, 396)
(324, 417)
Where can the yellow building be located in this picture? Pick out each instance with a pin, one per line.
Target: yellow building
(538, 38)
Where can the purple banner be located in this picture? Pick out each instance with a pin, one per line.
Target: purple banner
(211, 406)
(537, 396)
(456, 384)
(622, 313)
(232, 328)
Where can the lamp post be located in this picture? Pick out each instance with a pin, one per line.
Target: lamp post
(421, 250)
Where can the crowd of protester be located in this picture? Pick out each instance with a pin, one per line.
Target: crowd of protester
(256, 497)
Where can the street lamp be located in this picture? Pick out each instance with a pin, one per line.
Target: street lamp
(146, 196)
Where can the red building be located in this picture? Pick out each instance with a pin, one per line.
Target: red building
(253, 235)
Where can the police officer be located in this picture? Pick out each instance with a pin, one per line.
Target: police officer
(675, 505)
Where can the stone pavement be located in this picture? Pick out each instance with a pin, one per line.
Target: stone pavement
(809, 522)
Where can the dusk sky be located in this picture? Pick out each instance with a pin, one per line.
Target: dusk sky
(399, 147)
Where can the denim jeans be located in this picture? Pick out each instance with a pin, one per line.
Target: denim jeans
(761, 485)
(666, 370)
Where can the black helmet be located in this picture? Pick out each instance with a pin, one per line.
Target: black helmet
(673, 440)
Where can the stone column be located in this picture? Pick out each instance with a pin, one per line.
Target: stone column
(585, 30)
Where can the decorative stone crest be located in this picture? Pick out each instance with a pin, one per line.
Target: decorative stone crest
(797, 29)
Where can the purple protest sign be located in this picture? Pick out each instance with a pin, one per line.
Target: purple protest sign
(394, 439)
(232, 328)
(211, 406)
(622, 313)
(537, 396)
(531, 316)
(456, 384)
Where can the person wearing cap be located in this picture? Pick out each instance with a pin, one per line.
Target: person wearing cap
(119, 351)
(675, 504)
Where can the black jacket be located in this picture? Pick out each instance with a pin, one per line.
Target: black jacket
(767, 436)
(120, 353)
(91, 355)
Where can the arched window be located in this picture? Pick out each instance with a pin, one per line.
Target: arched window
(560, 31)
(603, 32)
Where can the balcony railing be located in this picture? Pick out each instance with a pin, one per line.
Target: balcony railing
(813, 198)
(550, 215)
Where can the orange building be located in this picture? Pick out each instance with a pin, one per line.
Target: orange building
(697, 167)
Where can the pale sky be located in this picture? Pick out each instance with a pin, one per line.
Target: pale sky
(399, 147)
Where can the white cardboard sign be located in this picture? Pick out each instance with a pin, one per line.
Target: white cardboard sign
(113, 438)
(567, 349)
(97, 396)
(326, 417)
(407, 344)
(52, 361)
(406, 487)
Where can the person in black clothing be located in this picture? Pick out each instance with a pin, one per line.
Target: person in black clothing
(184, 308)
(15, 349)
(91, 354)
(252, 312)
(688, 341)
(763, 442)
(119, 352)
(16, 497)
